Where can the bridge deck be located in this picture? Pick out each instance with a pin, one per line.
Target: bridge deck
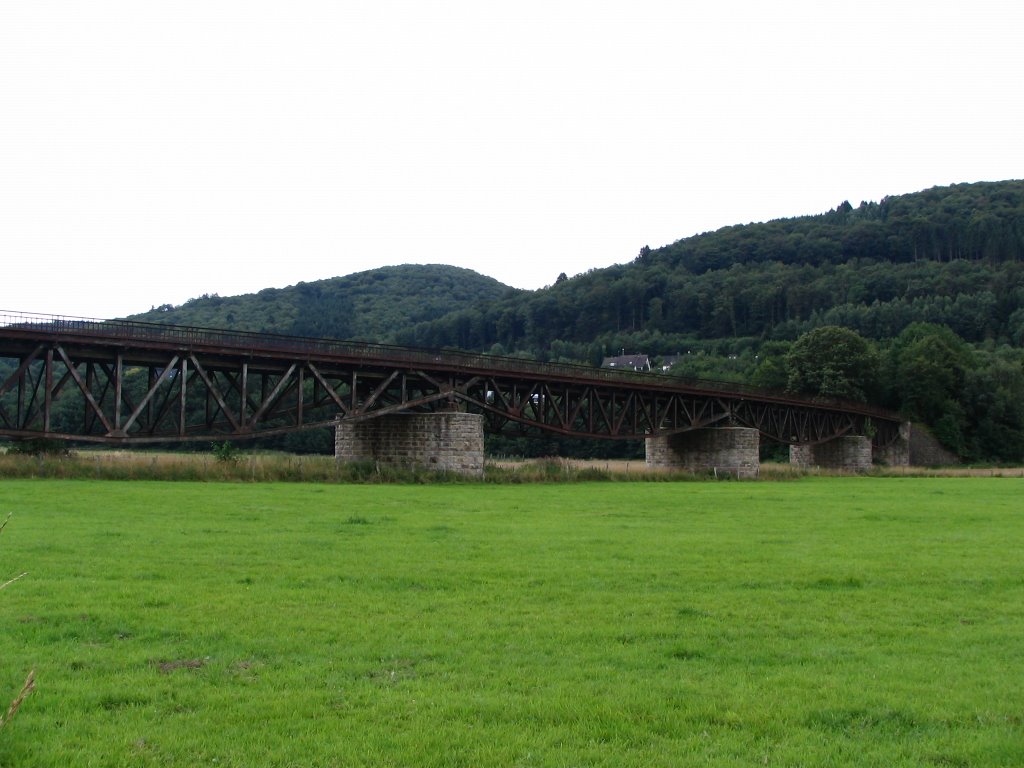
(126, 381)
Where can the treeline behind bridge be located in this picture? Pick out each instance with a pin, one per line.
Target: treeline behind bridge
(952, 256)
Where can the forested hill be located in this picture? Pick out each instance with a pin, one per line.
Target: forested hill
(369, 305)
(949, 255)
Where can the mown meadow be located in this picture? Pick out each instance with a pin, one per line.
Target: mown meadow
(809, 622)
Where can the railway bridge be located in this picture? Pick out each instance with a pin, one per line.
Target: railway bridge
(131, 383)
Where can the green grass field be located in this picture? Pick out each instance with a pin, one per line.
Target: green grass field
(817, 622)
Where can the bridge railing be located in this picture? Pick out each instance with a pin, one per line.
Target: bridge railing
(135, 330)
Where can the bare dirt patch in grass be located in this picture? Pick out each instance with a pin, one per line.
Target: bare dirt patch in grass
(167, 667)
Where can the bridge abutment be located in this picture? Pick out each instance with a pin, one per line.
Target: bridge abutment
(897, 453)
(731, 450)
(443, 442)
(851, 453)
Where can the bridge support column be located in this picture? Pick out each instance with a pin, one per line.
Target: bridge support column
(444, 442)
(897, 453)
(731, 450)
(851, 453)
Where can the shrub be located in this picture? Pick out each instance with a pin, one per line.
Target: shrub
(226, 452)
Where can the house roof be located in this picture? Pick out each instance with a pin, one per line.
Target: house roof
(636, 362)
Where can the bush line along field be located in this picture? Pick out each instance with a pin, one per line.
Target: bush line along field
(826, 621)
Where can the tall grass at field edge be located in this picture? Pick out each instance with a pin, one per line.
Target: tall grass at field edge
(256, 468)
(271, 467)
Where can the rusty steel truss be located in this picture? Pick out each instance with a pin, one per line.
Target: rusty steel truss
(128, 382)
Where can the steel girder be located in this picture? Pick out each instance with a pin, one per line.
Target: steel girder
(132, 383)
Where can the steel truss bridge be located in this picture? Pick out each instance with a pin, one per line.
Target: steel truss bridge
(116, 381)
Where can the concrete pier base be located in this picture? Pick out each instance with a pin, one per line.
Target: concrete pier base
(450, 441)
(851, 453)
(727, 450)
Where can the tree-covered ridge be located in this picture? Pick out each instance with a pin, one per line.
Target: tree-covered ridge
(964, 221)
(368, 305)
(952, 255)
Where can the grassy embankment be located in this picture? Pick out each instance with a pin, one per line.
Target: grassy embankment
(851, 621)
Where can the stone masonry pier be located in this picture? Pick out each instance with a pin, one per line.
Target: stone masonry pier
(730, 450)
(898, 454)
(449, 441)
(851, 453)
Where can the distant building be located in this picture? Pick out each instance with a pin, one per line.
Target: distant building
(628, 362)
(668, 361)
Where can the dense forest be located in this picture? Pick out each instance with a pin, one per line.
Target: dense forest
(952, 256)
(915, 302)
(366, 306)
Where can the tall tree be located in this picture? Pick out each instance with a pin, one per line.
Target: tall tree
(833, 361)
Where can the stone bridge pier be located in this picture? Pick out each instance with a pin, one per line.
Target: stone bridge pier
(730, 450)
(898, 453)
(446, 441)
(853, 453)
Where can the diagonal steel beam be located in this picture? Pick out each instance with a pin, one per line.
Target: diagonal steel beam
(269, 401)
(400, 407)
(319, 377)
(73, 370)
(33, 356)
(213, 389)
(377, 392)
(149, 395)
(17, 378)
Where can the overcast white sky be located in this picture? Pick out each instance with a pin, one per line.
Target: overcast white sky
(155, 151)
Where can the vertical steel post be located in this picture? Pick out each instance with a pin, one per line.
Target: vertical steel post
(21, 396)
(243, 396)
(48, 389)
(90, 384)
(118, 392)
(149, 401)
(181, 395)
